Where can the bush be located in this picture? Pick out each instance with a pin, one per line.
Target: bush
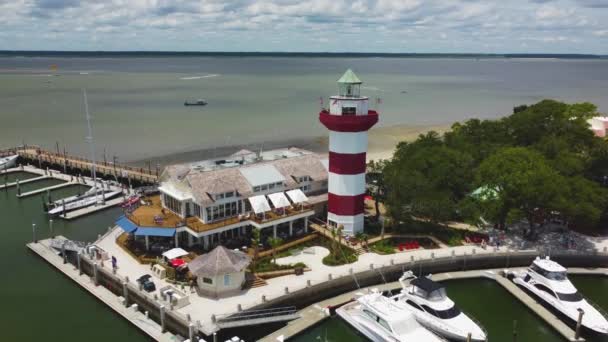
(266, 265)
(383, 247)
(337, 260)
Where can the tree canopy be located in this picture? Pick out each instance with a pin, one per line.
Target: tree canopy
(542, 159)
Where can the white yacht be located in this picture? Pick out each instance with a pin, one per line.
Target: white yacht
(381, 319)
(431, 306)
(84, 202)
(8, 162)
(547, 280)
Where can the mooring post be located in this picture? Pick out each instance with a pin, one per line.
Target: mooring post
(125, 293)
(469, 337)
(579, 321)
(78, 263)
(34, 233)
(214, 337)
(51, 228)
(514, 330)
(162, 318)
(95, 274)
(191, 332)
(18, 188)
(63, 253)
(63, 206)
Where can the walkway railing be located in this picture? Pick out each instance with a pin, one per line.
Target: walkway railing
(254, 317)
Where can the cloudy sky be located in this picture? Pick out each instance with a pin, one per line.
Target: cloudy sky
(489, 26)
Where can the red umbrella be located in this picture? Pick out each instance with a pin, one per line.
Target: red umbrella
(177, 262)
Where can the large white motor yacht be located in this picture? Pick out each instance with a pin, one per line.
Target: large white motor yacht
(8, 162)
(381, 320)
(547, 280)
(431, 306)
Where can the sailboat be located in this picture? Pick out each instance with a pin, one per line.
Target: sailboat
(94, 195)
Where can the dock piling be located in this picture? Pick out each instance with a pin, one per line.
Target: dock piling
(514, 330)
(78, 263)
(18, 188)
(469, 337)
(34, 233)
(577, 333)
(96, 274)
(125, 293)
(162, 318)
(191, 331)
(63, 253)
(214, 337)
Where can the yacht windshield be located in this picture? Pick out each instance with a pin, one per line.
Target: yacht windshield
(437, 294)
(549, 275)
(570, 297)
(443, 314)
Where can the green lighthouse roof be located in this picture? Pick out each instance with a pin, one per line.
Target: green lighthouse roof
(349, 77)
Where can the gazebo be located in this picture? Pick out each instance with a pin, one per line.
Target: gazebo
(221, 272)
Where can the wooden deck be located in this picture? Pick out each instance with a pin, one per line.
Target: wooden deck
(145, 216)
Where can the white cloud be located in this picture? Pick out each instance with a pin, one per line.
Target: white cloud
(295, 25)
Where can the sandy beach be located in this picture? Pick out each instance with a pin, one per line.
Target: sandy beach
(382, 144)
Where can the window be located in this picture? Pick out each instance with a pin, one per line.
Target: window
(547, 274)
(411, 303)
(256, 188)
(270, 186)
(264, 187)
(172, 204)
(349, 110)
(570, 297)
(226, 279)
(324, 184)
(384, 324)
(207, 280)
(278, 184)
(219, 196)
(197, 210)
(544, 289)
(229, 194)
(370, 314)
(443, 314)
(305, 188)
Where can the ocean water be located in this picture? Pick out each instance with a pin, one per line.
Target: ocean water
(138, 113)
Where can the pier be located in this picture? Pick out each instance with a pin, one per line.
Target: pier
(39, 156)
(130, 313)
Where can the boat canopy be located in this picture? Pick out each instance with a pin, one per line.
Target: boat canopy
(426, 288)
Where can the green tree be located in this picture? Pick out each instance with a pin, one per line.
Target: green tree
(375, 171)
(527, 186)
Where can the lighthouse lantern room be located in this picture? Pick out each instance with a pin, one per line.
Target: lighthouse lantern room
(348, 120)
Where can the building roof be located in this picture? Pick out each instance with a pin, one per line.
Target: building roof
(219, 261)
(241, 173)
(349, 77)
(262, 174)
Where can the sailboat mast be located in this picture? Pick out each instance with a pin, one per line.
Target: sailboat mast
(89, 138)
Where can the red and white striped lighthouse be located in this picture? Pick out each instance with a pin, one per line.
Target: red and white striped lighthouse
(348, 120)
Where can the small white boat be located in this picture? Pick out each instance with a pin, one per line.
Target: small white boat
(62, 201)
(431, 306)
(8, 162)
(548, 280)
(85, 202)
(382, 320)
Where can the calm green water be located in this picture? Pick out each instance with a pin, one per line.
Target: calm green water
(138, 112)
(492, 305)
(38, 303)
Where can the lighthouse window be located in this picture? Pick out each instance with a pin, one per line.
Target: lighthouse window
(349, 110)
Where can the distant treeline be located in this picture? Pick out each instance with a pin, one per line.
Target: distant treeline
(15, 53)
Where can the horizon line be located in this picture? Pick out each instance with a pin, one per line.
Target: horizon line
(297, 53)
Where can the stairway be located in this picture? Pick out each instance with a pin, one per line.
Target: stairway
(253, 281)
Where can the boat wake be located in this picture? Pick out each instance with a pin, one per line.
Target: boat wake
(198, 77)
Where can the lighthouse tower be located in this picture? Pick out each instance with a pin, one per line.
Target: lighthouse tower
(348, 120)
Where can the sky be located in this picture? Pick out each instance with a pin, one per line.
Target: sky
(400, 26)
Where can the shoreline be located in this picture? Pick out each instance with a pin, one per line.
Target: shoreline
(382, 143)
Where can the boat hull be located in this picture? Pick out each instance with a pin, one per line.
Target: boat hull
(8, 162)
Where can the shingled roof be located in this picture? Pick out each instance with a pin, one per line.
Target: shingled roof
(219, 261)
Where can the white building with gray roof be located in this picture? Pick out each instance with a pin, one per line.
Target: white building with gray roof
(215, 197)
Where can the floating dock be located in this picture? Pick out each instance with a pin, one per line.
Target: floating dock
(68, 180)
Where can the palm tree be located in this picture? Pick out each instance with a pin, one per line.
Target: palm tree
(332, 230)
(359, 237)
(274, 242)
(365, 237)
(255, 243)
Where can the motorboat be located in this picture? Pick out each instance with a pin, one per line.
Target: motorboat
(85, 202)
(70, 199)
(547, 280)
(199, 102)
(429, 303)
(8, 162)
(381, 319)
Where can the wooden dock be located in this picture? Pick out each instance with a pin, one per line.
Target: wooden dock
(43, 190)
(30, 180)
(70, 215)
(41, 156)
(138, 319)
